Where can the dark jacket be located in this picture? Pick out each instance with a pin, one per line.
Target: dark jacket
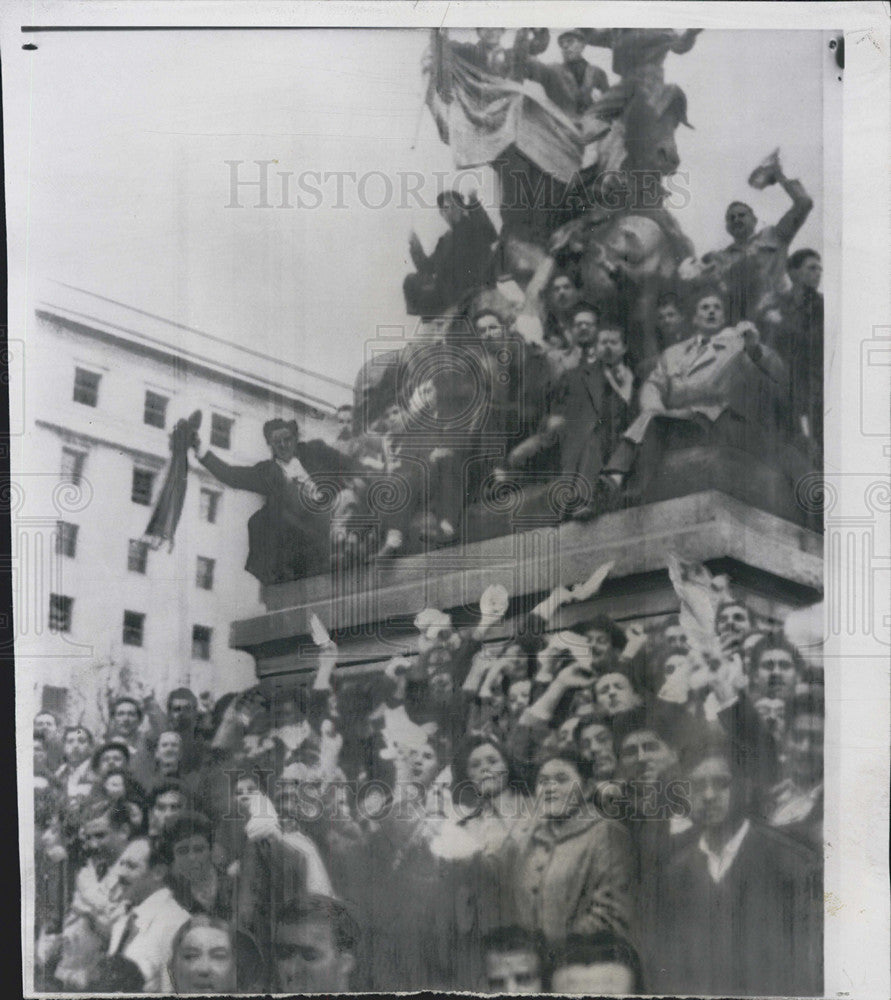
(756, 931)
(286, 538)
(562, 86)
(595, 415)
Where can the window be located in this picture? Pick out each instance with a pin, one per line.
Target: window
(155, 412)
(73, 465)
(204, 574)
(210, 501)
(134, 624)
(220, 431)
(60, 613)
(137, 555)
(66, 539)
(143, 482)
(201, 642)
(86, 387)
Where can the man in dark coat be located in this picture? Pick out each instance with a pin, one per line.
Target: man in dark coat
(460, 262)
(570, 84)
(741, 905)
(794, 328)
(289, 536)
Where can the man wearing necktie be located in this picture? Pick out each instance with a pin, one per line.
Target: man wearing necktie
(593, 403)
(290, 536)
(721, 386)
(145, 934)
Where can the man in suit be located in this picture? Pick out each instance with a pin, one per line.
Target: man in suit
(145, 934)
(289, 536)
(721, 386)
(741, 904)
(594, 402)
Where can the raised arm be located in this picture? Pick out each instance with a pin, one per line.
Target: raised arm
(239, 477)
(802, 203)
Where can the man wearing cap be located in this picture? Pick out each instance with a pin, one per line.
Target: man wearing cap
(289, 536)
(570, 84)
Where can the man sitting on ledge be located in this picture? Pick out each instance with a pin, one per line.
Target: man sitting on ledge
(721, 386)
(290, 536)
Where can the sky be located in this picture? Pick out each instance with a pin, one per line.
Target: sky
(130, 190)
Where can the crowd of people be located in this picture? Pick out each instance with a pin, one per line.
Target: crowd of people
(586, 807)
(734, 360)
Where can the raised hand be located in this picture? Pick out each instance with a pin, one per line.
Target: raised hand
(318, 631)
(576, 675)
(583, 591)
(637, 639)
(494, 601)
(727, 678)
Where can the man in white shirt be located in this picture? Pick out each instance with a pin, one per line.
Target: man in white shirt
(145, 934)
(95, 905)
(741, 905)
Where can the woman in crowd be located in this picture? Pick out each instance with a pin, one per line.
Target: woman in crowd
(569, 869)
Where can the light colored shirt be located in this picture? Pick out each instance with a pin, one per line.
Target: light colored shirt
(719, 863)
(294, 470)
(157, 919)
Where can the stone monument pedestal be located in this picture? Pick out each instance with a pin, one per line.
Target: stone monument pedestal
(774, 564)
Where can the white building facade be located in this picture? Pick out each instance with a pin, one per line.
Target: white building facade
(106, 385)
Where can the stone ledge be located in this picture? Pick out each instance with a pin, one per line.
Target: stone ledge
(707, 526)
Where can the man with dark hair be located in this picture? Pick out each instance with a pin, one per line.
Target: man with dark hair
(733, 624)
(776, 667)
(104, 830)
(197, 886)
(670, 321)
(722, 386)
(289, 536)
(753, 266)
(126, 726)
(315, 946)
(514, 960)
(561, 294)
(111, 756)
(600, 965)
(798, 800)
(183, 718)
(47, 731)
(166, 801)
(145, 934)
(793, 322)
(741, 905)
(594, 403)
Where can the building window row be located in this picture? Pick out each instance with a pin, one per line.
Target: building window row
(154, 411)
(61, 607)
